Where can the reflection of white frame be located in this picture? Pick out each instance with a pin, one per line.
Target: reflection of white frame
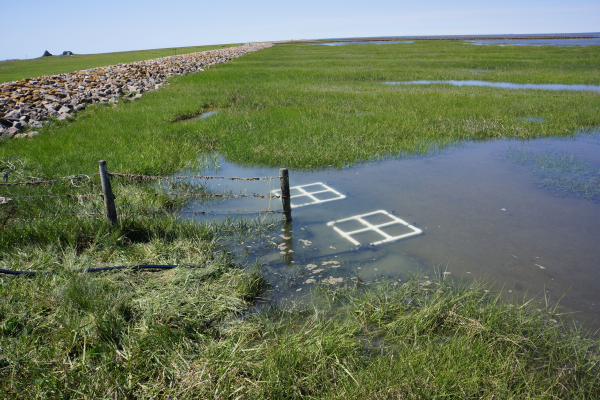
(375, 228)
(309, 194)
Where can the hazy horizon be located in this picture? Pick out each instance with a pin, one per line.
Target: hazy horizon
(34, 26)
(508, 35)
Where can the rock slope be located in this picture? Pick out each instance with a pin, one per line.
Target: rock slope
(28, 102)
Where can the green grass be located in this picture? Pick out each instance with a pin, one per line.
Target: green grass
(296, 106)
(21, 69)
(201, 333)
(180, 334)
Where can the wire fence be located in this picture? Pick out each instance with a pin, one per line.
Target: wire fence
(171, 194)
(49, 182)
(178, 177)
(143, 178)
(108, 196)
(162, 211)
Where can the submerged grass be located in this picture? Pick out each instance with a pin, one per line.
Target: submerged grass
(560, 171)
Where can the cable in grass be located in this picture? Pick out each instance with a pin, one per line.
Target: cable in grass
(100, 269)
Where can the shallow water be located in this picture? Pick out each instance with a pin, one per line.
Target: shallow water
(533, 119)
(208, 114)
(481, 215)
(504, 85)
(538, 42)
(369, 42)
(205, 114)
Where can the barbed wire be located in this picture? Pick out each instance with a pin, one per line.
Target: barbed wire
(60, 215)
(204, 212)
(135, 177)
(152, 178)
(52, 196)
(10, 215)
(261, 196)
(79, 196)
(50, 182)
(150, 212)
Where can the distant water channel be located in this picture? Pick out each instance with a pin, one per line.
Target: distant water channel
(504, 85)
(368, 42)
(483, 212)
(538, 42)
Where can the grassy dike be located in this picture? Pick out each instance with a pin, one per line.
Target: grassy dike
(194, 333)
(21, 69)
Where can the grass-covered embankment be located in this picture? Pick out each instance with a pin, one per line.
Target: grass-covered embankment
(21, 69)
(181, 334)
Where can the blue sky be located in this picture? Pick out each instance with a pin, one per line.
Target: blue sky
(31, 26)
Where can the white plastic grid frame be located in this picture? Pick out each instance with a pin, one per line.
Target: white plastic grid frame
(375, 228)
(306, 191)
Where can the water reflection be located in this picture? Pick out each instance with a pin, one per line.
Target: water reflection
(483, 215)
(207, 114)
(505, 85)
(532, 119)
(287, 246)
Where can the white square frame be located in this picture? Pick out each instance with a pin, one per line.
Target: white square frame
(306, 193)
(375, 228)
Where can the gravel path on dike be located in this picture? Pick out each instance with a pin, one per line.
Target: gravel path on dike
(29, 102)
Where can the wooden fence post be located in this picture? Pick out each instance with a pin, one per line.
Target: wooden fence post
(285, 194)
(109, 197)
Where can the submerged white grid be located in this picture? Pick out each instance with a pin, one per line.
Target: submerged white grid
(308, 192)
(375, 228)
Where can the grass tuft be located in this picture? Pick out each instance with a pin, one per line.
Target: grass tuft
(560, 171)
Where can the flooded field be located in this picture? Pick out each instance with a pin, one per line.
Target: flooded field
(473, 211)
(504, 85)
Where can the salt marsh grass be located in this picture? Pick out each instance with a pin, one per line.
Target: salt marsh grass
(189, 333)
(292, 105)
(181, 334)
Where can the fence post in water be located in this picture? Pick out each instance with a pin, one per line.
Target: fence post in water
(109, 197)
(285, 194)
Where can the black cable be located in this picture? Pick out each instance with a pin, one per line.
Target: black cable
(154, 266)
(10, 272)
(100, 269)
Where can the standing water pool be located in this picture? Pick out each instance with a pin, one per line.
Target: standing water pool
(524, 215)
